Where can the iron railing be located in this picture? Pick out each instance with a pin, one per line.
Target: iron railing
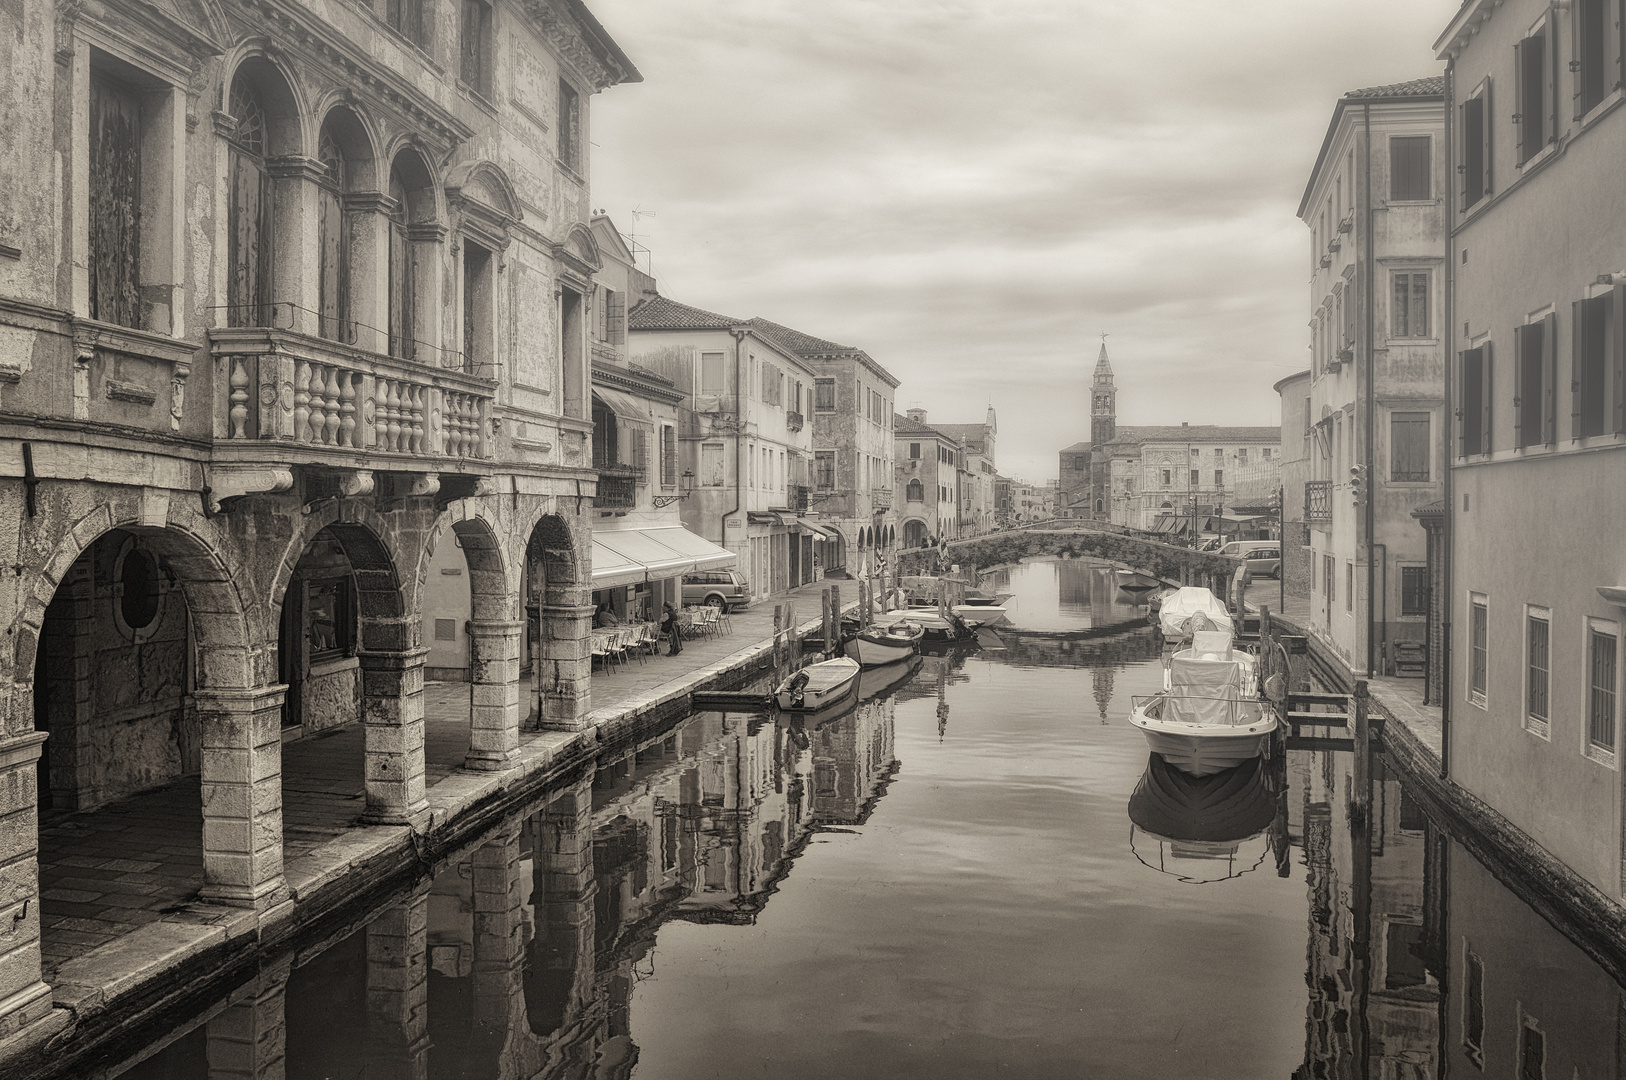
(1318, 502)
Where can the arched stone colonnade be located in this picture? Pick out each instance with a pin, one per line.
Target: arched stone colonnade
(111, 585)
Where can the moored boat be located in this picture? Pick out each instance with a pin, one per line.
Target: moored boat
(936, 625)
(831, 684)
(878, 682)
(885, 643)
(1192, 609)
(1133, 581)
(1209, 718)
(1197, 827)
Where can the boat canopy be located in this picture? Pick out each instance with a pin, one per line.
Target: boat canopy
(1205, 691)
(1176, 615)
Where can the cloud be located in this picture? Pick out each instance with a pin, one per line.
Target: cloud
(971, 191)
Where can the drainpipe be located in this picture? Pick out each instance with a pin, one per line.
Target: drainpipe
(1370, 284)
(739, 437)
(1440, 682)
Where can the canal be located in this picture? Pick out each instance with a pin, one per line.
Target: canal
(978, 872)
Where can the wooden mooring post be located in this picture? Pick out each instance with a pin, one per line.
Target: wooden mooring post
(778, 656)
(1361, 724)
(829, 626)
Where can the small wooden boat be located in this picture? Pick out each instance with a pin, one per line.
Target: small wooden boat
(936, 626)
(885, 643)
(1209, 718)
(828, 685)
(1133, 581)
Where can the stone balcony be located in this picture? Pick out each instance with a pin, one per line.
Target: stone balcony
(880, 499)
(296, 400)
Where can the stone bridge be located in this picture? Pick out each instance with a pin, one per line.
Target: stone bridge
(1173, 564)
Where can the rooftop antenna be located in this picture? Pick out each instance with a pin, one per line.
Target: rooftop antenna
(632, 238)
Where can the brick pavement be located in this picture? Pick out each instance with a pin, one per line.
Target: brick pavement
(106, 872)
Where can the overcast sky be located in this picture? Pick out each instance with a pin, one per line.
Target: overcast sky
(971, 190)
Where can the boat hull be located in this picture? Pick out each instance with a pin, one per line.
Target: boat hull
(1204, 749)
(870, 652)
(830, 685)
(975, 615)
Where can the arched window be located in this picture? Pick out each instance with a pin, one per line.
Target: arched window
(402, 342)
(249, 211)
(916, 491)
(333, 237)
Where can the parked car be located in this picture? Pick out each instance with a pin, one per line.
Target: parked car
(1264, 557)
(724, 589)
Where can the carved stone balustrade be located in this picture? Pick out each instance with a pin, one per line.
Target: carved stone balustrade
(320, 402)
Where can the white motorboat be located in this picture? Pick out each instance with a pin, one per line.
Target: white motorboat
(1192, 609)
(885, 643)
(817, 687)
(932, 621)
(1133, 581)
(986, 614)
(1209, 718)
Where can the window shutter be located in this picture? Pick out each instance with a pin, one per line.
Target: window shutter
(1551, 100)
(1485, 125)
(1457, 405)
(1617, 346)
(1549, 384)
(1577, 58)
(1577, 361)
(616, 313)
(1485, 398)
(1518, 99)
(1467, 181)
(1518, 387)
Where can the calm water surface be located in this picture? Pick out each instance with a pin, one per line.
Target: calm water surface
(979, 872)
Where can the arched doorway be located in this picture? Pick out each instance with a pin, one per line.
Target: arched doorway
(914, 533)
(558, 615)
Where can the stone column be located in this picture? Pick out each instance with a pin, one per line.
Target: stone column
(367, 214)
(398, 991)
(248, 1039)
(296, 270)
(567, 658)
(494, 714)
(392, 709)
(242, 795)
(499, 988)
(24, 999)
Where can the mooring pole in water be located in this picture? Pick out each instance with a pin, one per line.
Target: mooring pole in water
(835, 607)
(828, 624)
(778, 657)
(1363, 748)
(794, 643)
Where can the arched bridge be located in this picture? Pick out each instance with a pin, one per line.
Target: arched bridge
(1081, 540)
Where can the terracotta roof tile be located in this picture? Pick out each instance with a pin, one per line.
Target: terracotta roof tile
(659, 313)
(1433, 86)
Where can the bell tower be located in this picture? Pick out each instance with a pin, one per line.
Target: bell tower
(1103, 401)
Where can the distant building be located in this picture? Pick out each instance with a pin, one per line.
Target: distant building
(1294, 392)
(978, 472)
(1377, 376)
(927, 486)
(1538, 451)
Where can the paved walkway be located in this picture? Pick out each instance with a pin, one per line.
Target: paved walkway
(103, 873)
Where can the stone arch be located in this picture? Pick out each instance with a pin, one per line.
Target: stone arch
(288, 114)
(487, 183)
(557, 596)
(493, 583)
(385, 596)
(358, 140)
(411, 163)
(915, 532)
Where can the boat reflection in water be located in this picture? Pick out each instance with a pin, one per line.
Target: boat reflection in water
(1207, 828)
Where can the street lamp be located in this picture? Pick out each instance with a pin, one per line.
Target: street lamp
(686, 486)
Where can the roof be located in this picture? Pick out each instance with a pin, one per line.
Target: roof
(1103, 366)
(809, 347)
(1429, 88)
(659, 313)
(1305, 374)
(966, 433)
(1207, 433)
(1076, 448)
(902, 426)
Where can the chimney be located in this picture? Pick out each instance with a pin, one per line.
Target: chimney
(917, 416)
(1184, 424)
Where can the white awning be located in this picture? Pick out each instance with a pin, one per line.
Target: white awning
(629, 556)
(706, 555)
(623, 404)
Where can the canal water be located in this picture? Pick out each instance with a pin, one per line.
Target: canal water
(978, 872)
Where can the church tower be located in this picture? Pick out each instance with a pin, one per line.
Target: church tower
(1103, 402)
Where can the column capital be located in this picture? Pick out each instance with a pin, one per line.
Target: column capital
(21, 750)
(392, 659)
(495, 627)
(258, 699)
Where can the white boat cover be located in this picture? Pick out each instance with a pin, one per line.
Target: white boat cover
(1176, 614)
(1206, 691)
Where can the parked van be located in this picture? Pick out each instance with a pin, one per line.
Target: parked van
(1264, 556)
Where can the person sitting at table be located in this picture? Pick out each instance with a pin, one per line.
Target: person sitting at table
(605, 617)
(669, 627)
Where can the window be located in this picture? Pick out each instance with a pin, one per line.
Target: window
(1242, 455)
(1473, 1011)
(330, 623)
(824, 395)
(1474, 415)
(1535, 378)
(1476, 157)
(1602, 649)
(570, 127)
(1537, 669)
(1168, 477)
(249, 210)
(1329, 570)
(478, 309)
(1533, 71)
(824, 470)
(1478, 647)
(140, 589)
(1413, 590)
(915, 491)
(1349, 586)
(612, 321)
(333, 236)
(1594, 322)
(711, 464)
(115, 202)
(402, 288)
(1219, 478)
(406, 18)
(1265, 453)
(1408, 447)
(475, 68)
(1532, 1051)
(1196, 478)
(1593, 51)
(772, 385)
(669, 469)
(1219, 456)
(711, 373)
(1408, 315)
(1409, 170)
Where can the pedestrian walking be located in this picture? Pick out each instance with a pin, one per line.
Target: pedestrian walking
(669, 627)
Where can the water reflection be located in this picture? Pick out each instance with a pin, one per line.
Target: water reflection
(1064, 594)
(888, 894)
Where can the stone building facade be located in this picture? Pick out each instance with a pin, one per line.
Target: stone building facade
(927, 488)
(1375, 209)
(978, 472)
(303, 303)
(1294, 392)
